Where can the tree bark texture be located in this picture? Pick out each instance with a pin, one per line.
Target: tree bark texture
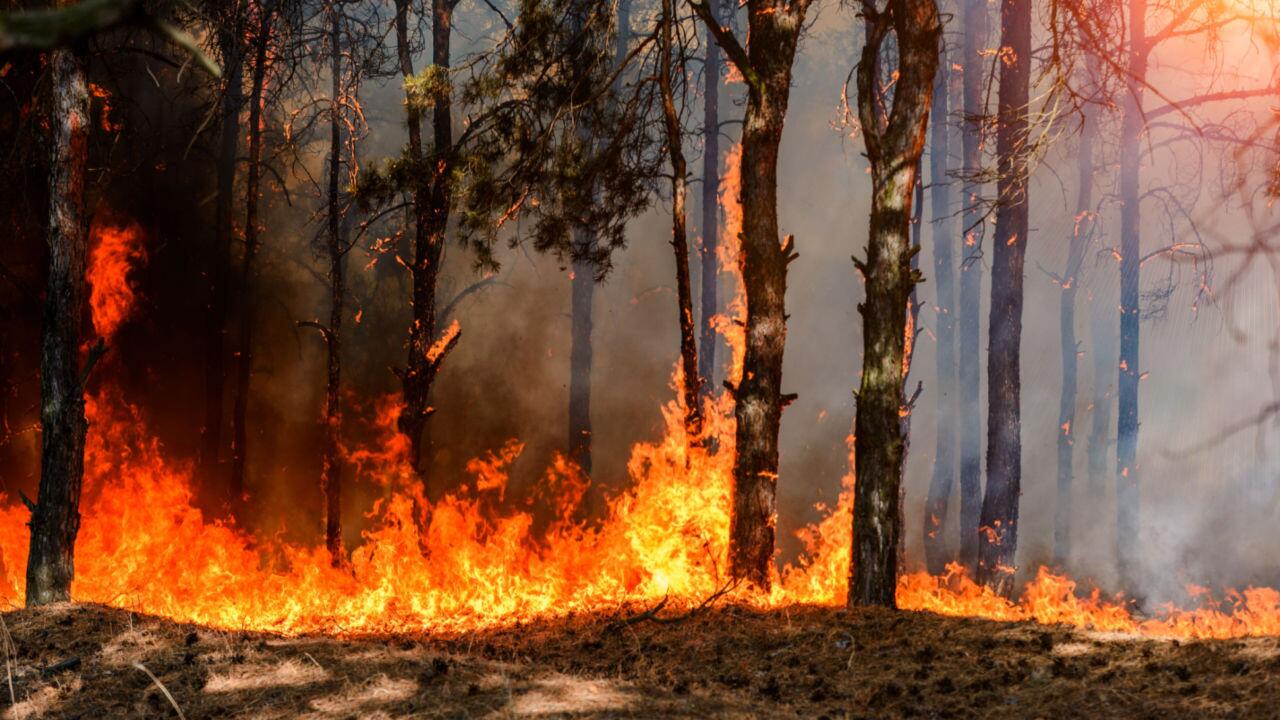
(936, 551)
(55, 519)
(999, 525)
(895, 142)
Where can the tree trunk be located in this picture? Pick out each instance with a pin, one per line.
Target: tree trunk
(999, 533)
(707, 252)
(55, 519)
(969, 323)
(244, 343)
(944, 463)
(224, 205)
(766, 65)
(431, 204)
(1131, 129)
(894, 145)
(1067, 325)
(331, 463)
(1102, 336)
(679, 239)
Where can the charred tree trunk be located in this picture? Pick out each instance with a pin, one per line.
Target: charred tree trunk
(679, 239)
(230, 41)
(773, 32)
(1131, 129)
(944, 463)
(707, 252)
(431, 204)
(582, 293)
(999, 530)
(1067, 326)
(969, 322)
(244, 342)
(55, 518)
(331, 464)
(895, 142)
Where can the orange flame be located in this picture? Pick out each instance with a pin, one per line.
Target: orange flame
(116, 250)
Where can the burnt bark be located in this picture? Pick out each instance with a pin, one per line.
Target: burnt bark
(1069, 280)
(999, 525)
(941, 482)
(969, 369)
(231, 46)
(431, 204)
(765, 64)
(55, 518)
(707, 251)
(895, 141)
(253, 182)
(330, 458)
(1132, 125)
(679, 237)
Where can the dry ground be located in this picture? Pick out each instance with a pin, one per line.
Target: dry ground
(86, 662)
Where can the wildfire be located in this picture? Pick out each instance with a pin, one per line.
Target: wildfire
(469, 560)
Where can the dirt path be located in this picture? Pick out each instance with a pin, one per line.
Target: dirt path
(732, 662)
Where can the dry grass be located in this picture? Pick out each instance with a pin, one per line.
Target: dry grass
(731, 662)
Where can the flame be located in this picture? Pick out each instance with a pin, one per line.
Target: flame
(733, 322)
(116, 250)
(470, 560)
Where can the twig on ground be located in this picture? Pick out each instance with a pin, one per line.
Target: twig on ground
(163, 689)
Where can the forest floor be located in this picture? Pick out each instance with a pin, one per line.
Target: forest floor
(85, 661)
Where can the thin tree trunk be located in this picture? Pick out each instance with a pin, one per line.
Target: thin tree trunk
(582, 293)
(431, 204)
(244, 343)
(999, 533)
(1102, 336)
(55, 519)
(1131, 128)
(679, 239)
(1067, 325)
(894, 143)
(944, 271)
(969, 320)
(331, 464)
(224, 206)
(710, 210)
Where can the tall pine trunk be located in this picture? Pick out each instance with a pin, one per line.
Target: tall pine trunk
(679, 237)
(55, 519)
(707, 253)
(431, 204)
(944, 271)
(894, 143)
(231, 44)
(1067, 327)
(1131, 129)
(331, 462)
(969, 323)
(765, 64)
(999, 533)
(244, 341)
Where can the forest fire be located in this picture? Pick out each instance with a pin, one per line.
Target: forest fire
(491, 359)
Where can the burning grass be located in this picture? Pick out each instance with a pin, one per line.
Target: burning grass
(733, 661)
